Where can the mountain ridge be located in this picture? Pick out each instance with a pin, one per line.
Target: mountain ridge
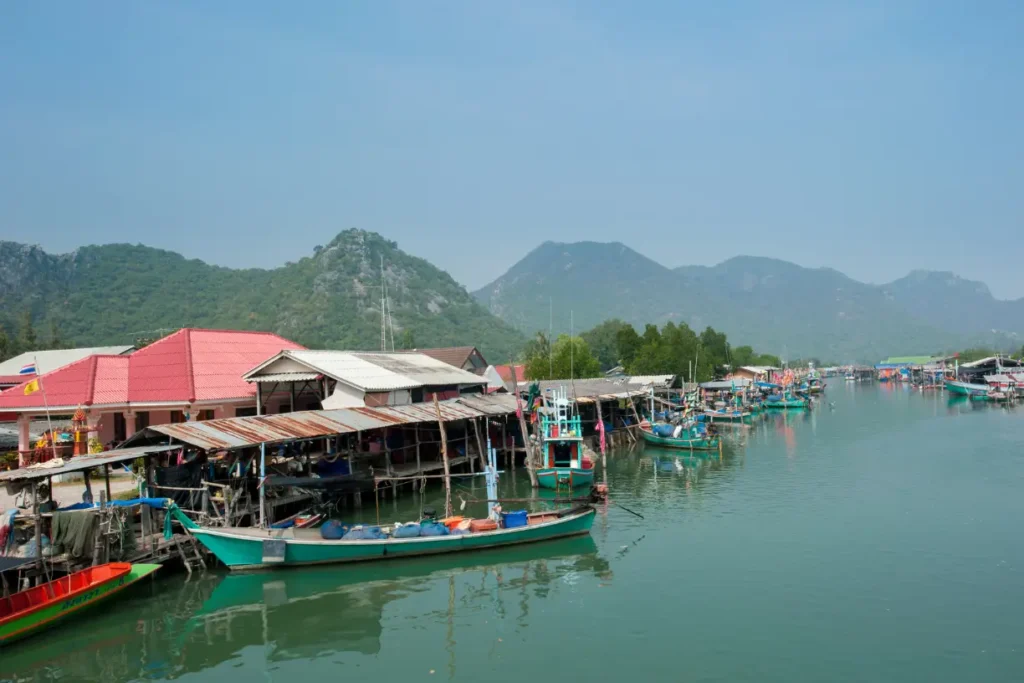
(770, 303)
(329, 299)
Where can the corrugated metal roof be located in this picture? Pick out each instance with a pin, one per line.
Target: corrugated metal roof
(241, 432)
(286, 377)
(84, 462)
(373, 371)
(661, 380)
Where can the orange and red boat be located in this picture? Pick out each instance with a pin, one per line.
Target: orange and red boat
(29, 611)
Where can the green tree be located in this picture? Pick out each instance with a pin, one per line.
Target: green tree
(571, 357)
(5, 345)
(27, 340)
(604, 341)
(408, 340)
(628, 343)
(56, 341)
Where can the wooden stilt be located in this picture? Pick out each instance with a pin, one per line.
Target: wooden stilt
(444, 457)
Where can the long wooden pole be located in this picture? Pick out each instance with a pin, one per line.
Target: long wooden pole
(602, 443)
(522, 429)
(480, 446)
(444, 457)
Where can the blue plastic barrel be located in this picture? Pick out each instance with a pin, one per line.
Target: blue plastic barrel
(516, 518)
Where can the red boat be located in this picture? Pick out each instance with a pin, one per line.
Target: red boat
(24, 613)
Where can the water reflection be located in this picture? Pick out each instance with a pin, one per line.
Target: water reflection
(177, 627)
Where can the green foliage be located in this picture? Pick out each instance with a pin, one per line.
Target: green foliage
(970, 355)
(27, 340)
(407, 340)
(604, 341)
(571, 357)
(5, 345)
(124, 294)
(674, 349)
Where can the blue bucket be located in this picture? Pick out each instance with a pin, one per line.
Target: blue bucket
(511, 520)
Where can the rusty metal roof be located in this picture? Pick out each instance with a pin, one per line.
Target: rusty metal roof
(242, 432)
(84, 462)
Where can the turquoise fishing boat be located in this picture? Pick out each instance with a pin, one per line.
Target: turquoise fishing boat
(688, 439)
(252, 548)
(966, 388)
(727, 415)
(563, 462)
(786, 402)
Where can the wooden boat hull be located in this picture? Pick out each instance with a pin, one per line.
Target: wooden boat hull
(966, 388)
(729, 417)
(565, 478)
(71, 603)
(243, 548)
(708, 444)
(785, 405)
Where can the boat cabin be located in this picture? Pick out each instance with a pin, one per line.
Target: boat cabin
(562, 433)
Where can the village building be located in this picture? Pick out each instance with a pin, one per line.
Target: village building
(26, 366)
(192, 374)
(466, 358)
(347, 379)
(755, 373)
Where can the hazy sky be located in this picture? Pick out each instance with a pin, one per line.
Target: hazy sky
(874, 137)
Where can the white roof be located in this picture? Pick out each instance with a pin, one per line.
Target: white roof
(660, 380)
(758, 369)
(1009, 362)
(47, 361)
(366, 371)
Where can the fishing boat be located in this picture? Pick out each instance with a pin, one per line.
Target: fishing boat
(692, 438)
(727, 415)
(786, 401)
(850, 377)
(564, 463)
(30, 611)
(254, 548)
(958, 388)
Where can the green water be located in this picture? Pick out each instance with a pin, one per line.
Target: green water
(878, 541)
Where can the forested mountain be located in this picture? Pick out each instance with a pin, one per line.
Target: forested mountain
(118, 293)
(773, 305)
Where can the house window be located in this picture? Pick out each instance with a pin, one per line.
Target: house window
(205, 415)
(417, 395)
(141, 421)
(245, 412)
(177, 417)
(119, 427)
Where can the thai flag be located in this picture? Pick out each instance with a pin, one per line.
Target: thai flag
(29, 369)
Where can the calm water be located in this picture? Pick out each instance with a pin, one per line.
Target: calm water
(878, 541)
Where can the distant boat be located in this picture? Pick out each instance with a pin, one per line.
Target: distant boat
(785, 402)
(850, 377)
(688, 439)
(727, 415)
(564, 464)
(30, 611)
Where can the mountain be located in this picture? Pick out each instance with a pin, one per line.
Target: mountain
(951, 302)
(773, 305)
(116, 293)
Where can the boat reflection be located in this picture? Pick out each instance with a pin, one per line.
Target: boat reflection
(186, 627)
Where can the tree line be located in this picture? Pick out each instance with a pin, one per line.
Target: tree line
(674, 349)
(25, 338)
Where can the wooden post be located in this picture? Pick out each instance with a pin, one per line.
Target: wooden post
(522, 428)
(149, 475)
(106, 479)
(444, 456)
(88, 485)
(418, 484)
(480, 446)
(602, 446)
(38, 526)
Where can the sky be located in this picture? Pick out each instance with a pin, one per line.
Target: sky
(871, 137)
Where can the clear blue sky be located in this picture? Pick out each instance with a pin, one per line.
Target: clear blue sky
(873, 137)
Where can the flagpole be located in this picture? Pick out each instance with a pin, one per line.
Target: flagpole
(46, 404)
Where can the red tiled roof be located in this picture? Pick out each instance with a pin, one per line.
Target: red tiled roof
(505, 372)
(187, 366)
(74, 384)
(14, 379)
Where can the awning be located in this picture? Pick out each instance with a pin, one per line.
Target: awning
(84, 462)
